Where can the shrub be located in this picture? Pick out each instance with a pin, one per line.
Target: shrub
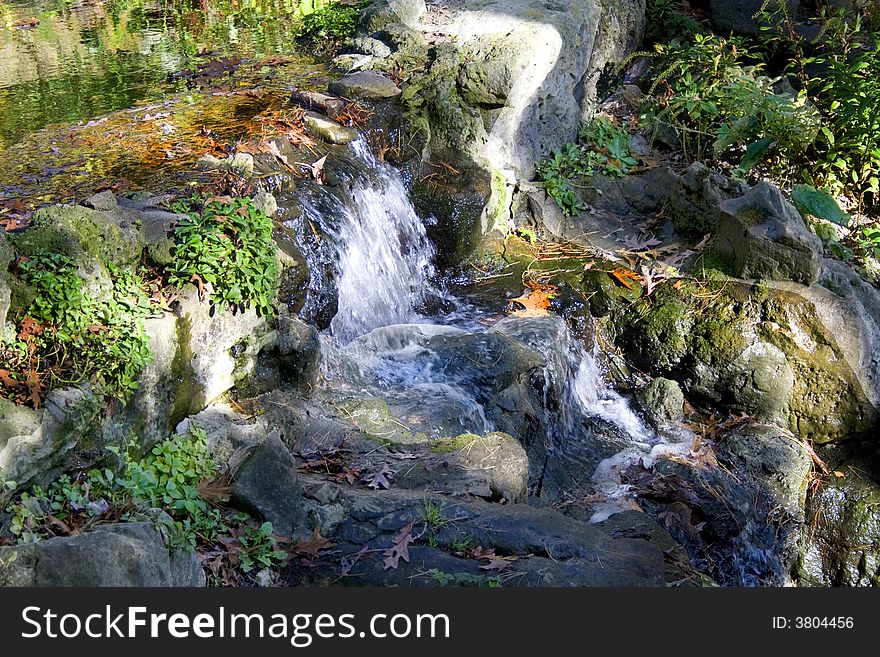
(70, 334)
(227, 249)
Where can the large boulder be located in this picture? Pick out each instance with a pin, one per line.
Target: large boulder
(125, 554)
(364, 84)
(266, 484)
(763, 236)
(695, 197)
(762, 350)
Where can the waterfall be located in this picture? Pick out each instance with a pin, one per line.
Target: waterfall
(386, 260)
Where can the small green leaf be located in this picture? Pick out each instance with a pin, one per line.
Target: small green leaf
(820, 204)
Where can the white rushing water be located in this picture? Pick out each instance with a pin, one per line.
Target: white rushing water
(386, 265)
(377, 338)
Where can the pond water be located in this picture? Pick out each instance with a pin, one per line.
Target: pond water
(64, 61)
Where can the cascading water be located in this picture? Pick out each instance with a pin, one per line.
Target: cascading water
(386, 260)
(381, 343)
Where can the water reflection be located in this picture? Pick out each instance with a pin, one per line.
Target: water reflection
(67, 60)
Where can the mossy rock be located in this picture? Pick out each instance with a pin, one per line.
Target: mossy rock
(372, 416)
(604, 294)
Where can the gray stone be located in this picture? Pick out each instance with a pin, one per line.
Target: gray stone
(231, 435)
(364, 84)
(664, 401)
(321, 127)
(266, 484)
(738, 16)
(763, 236)
(38, 443)
(103, 201)
(351, 62)
(266, 203)
(378, 15)
(218, 351)
(125, 554)
(777, 459)
(695, 199)
(5, 294)
(241, 164)
(298, 350)
(369, 46)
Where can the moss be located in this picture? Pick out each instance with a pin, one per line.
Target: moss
(449, 445)
(500, 200)
(658, 332)
(604, 294)
(717, 266)
(374, 418)
(719, 334)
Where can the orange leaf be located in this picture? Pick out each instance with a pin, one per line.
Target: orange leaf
(624, 276)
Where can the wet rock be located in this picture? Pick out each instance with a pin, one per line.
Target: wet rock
(842, 547)
(664, 402)
(738, 16)
(777, 459)
(240, 164)
(364, 84)
(125, 554)
(266, 484)
(497, 457)
(298, 350)
(696, 197)
(763, 236)
(315, 100)
(321, 127)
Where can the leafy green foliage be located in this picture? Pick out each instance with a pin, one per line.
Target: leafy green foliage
(260, 549)
(70, 333)
(444, 579)
(226, 249)
(603, 148)
(330, 20)
(714, 95)
(818, 203)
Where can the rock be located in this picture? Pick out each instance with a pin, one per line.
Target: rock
(103, 201)
(762, 236)
(36, 444)
(6, 256)
(738, 16)
(216, 352)
(364, 84)
(266, 484)
(763, 351)
(381, 14)
(351, 62)
(664, 402)
(315, 100)
(552, 548)
(124, 554)
(842, 547)
(368, 46)
(321, 127)
(775, 458)
(266, 203)
(496, 456)
(695, 200)
(230, 434)
(240, 164)
(298, 350)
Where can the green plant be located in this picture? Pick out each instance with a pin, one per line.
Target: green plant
(714, 95)
(260, 549)
(603, 148)
(445, 579)
(329, 20)
(226, 248)
(71, 333)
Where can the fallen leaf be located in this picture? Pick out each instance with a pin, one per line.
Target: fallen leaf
(313, 545)
(400, 549)
(536, 302)
(380, 480)
(625, 276)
